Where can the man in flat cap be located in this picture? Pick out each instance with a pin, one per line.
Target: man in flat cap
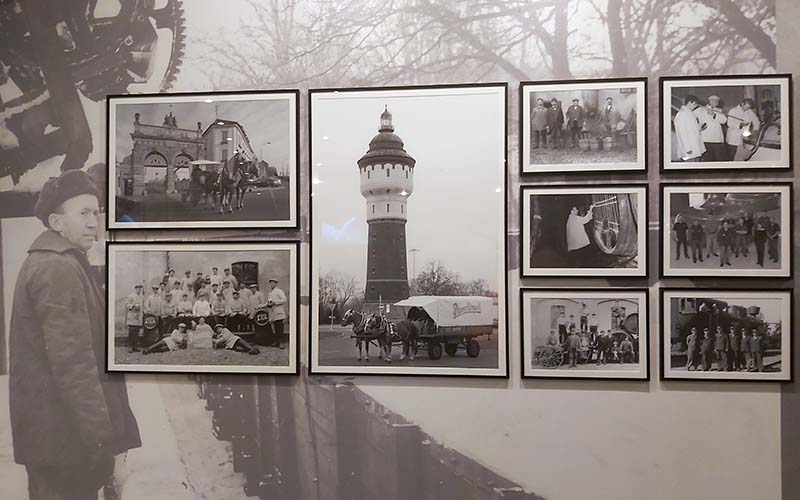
(277, 312)
(134, 316)
(68, 417)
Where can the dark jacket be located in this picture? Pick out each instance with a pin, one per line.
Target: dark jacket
(757, 344)
(736, 342)
(722, 342)
(555, 117)
(575, 116)
(62, 402)
(747, 343)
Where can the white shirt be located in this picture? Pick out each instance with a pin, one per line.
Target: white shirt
(737, 117)
(713, 120)
(278, 298)
(201, 308)
(576, 234)
(215, 278)
(687, 132)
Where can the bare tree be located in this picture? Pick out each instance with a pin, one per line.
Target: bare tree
(336, 290)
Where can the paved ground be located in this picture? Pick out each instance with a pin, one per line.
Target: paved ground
(772, 363)
(712, 261)
(588, 366)
(269, 203)
(547, 156)
(338, 349)
(269, 356)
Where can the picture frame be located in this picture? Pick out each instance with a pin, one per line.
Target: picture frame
(261, 326)
(602, 126)
(615, 245)
(766, 310)
(371, 250)
(761, 105)
(163, 174)
(755, 214)
(611, 325)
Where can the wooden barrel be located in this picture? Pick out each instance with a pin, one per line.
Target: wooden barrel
(608, 142)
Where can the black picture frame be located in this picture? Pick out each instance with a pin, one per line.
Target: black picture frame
(503, 369)
(643, 340)
(526, 87)
(787, 118)
(642, 270)
(293, 348)
(787, 240)
(292, 222)
(748, 376)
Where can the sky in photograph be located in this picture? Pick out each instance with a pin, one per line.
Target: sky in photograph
(455, 214)
(266, 123)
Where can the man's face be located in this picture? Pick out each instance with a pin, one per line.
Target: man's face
(714, 102)
(745, 105)
(540, 102)
(272, 285)
(705, 332)
(227, 272)
(609, 102)
(754, 332)
(76, 220)
(214, 271)
(693, 105)
(176, 286)
(694, 331)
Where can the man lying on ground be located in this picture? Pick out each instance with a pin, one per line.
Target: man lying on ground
(225, 338)
(176, 340)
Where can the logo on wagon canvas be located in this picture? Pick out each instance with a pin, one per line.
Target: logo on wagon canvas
(467, 308)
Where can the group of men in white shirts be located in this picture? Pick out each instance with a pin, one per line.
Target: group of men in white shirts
(217, 299)
(706, 133)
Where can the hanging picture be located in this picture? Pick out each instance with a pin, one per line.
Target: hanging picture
(584, 333)
(726, 122)
(203, 307)
(719, 334)
(727, 230)
(408, 272)
(583, 126)
(598, 230)
(215, 160)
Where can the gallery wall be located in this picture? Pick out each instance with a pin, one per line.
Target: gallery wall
(559, 439)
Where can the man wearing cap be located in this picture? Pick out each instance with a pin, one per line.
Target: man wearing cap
(134, 314)
(556, 123)
(575, 118)
(742, 122)
(163, 291)
(177, 293)
(539, 117)
(171, 279)
(68, 416)
(219, 309)
(202, 307)
(178, 339)
(711, 119)
(227, 289)
(169, 311)
(237, 313)
(256, 299)
(187, 282)
(214, 277)
(224, 338)
(185, 308)
(277, 313)
(690, 146)
(232, 278)
(155, 306)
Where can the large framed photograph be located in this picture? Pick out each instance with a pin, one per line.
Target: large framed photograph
(726, 230)
(585, 333)
(203, 307)
(408, 270)
(726, 122)
(726, 334)
(583, 125)
(216, 160)
(598, 230)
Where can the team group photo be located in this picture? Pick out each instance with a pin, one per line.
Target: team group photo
(202, 307)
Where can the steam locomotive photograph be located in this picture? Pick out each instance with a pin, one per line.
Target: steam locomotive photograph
(716, 334)
(202, 307)
(585, 333)
(584, 126)
(588, 231)
(726, 122)
(726, 229)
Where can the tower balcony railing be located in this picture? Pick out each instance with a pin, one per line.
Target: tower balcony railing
(167, 132)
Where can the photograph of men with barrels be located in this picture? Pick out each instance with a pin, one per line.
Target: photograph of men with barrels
(598, 230)
(724, 122)
(408, 272)
(207, 307)
(584, 126)
(726, 334)
(203, 160)
(726, 230)
(571, 333)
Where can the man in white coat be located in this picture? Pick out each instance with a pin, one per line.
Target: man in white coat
(690, 145)
(711, 120)
(577, 239)
(277, 312)
(742, 122)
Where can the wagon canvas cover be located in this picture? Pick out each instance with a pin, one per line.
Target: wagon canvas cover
(454, 311)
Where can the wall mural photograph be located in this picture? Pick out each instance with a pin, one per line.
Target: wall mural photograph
(726, 122)
(584, 126)
(404, 182)
(203, 160)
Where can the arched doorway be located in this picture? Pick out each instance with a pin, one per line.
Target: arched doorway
(155, 173)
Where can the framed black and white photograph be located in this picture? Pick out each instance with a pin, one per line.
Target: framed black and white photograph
(408, 262)
(583, 126)
(598, 230)
(585, 333)
(726, 230)
(719, 334)
(726, 122)
(203, 307)
(216, 160)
